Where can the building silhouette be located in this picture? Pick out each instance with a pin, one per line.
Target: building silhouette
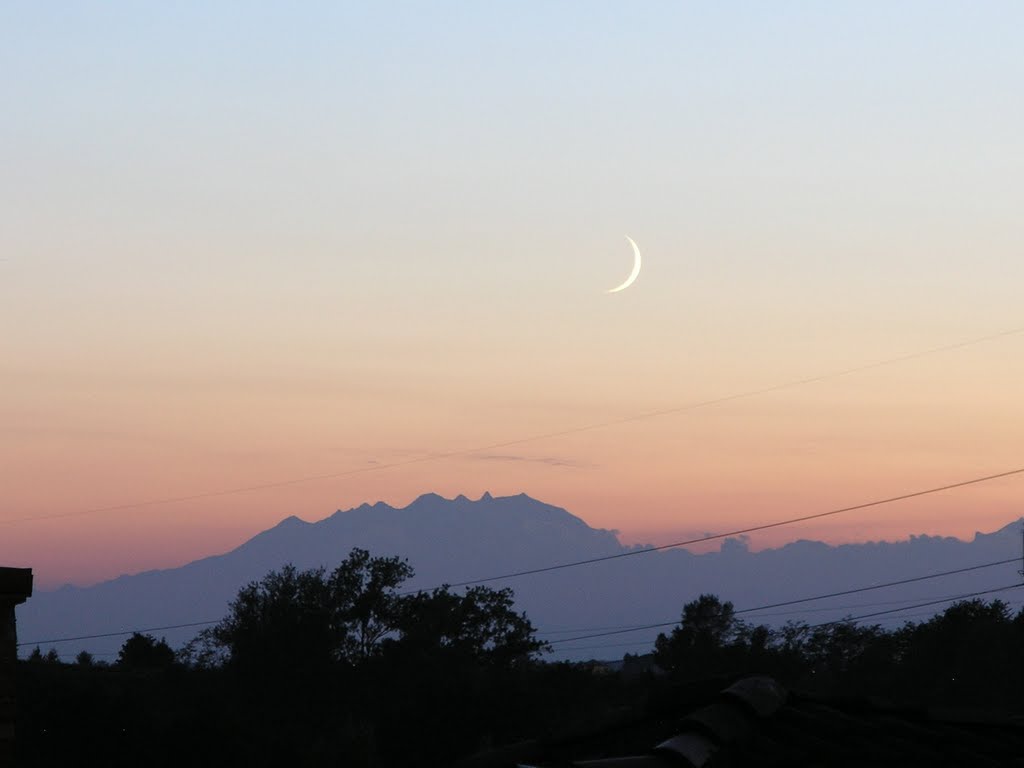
(15, 588)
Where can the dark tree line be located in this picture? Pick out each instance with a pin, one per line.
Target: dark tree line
(309, 667)
(971, 653)
(343, 667)
(293, 621)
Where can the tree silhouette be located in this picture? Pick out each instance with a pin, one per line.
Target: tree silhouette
(480, 626)
(364, 600)
(282, 621)
(50, 657)
(426, 677)
(708, 640)
(145, 652)
(295, 620)
(845, 650)
(291, 619)
(960, 652)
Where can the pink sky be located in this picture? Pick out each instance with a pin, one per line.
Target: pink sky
(797, 451)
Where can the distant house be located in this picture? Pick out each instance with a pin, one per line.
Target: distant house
(15, 588)
(639, 666)
(630, 667)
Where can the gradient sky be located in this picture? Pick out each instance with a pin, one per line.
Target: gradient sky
(252, 242)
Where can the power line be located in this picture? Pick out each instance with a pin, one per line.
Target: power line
(918, 605)
(785, 603)
(628, 628)
(738, 532)
(631, 627)
(754, 613)
(887, 584)
(520, 441)
(605, 645)
(1016, 603)
(628, 644)
(117, 634)
(834, 608)
(585, 629)
(1009, 603)
(615, 631)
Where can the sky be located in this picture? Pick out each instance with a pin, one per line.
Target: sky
(249, 243)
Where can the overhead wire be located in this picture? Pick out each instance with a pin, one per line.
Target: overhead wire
(844, 620)
(438, 456)
(605, 645)
(736, 532)
(854, 619)
(785, 603)
(119, 633)
(834, 608)
(759, 610)
(616, 631)
(1014, 603)
(598, 646)
(757, 613)
(709, 537)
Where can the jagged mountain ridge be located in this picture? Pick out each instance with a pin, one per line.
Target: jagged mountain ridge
(450, 541)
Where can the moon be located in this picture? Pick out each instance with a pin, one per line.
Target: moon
(636, 269)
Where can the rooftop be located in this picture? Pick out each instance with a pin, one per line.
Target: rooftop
(756, 722)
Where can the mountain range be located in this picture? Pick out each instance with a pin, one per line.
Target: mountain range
(457, 540)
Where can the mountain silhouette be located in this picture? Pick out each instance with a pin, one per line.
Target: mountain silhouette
(456, 540)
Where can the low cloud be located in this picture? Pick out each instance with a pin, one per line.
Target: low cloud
(551, 461)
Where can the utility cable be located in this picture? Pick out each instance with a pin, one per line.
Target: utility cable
(852, 619)
(528, 439)
(630, 627)
(739, 531)
(1014, 603)
(121, 633)
(117, 634)
(663, 624)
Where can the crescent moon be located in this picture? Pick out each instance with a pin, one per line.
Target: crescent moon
(636, 269)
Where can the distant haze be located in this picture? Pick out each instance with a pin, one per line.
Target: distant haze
(461, 539)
